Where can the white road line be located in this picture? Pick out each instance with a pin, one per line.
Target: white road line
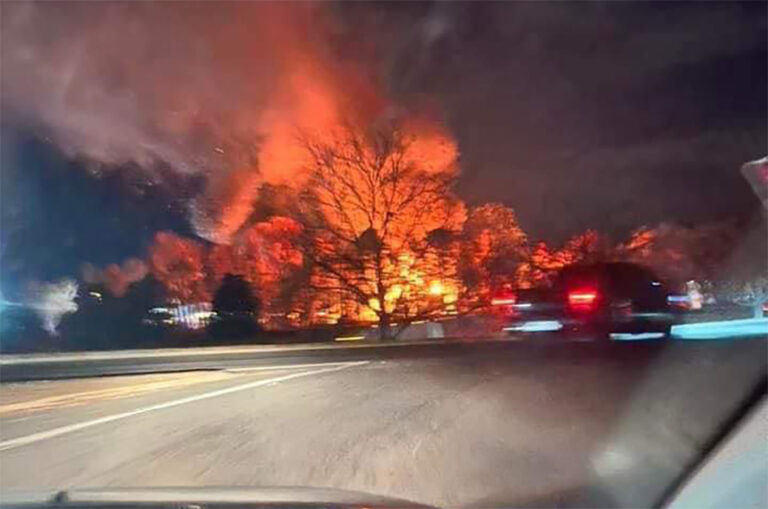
(44, 435)
(286, 366)
(28, 359)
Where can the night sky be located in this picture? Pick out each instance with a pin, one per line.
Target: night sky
(578, 115)
(606, 115)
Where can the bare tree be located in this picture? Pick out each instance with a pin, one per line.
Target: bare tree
(368, 208)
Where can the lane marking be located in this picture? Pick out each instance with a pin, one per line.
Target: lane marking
(44, 435)
(27, 359)
(286, 366)
(78, 398)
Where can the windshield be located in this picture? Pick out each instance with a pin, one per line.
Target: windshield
(467, 254)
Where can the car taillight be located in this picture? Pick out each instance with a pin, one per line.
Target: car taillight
(584, 299)
(503, 297)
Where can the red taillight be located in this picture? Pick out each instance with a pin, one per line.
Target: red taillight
(503, 297)
(582, 299)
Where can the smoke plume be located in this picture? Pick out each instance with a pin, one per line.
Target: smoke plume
(51, 301)
(116, 278)
(217, 90)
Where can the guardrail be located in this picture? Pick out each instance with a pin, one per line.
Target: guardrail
(18, 367)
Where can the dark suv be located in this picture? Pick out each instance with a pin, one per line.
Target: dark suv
(596, 299)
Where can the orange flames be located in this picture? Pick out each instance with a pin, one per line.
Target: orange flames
(310, 95)
(265, 255)
(217, 90)
(223, 92)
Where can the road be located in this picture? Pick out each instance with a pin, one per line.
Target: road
(19, 368)
(485, 424)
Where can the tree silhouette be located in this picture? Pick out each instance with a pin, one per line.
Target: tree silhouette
(236, 309)
(374, 195)
(235, 296)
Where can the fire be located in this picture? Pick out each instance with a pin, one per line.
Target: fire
(218, 91)
(178, 263)
(225, 96)
(265, 255)
(436, 288)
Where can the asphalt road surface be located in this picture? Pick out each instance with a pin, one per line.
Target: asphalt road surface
(529, 423)
(45, 367)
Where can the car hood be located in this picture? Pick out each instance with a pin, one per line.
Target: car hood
(274, 497)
